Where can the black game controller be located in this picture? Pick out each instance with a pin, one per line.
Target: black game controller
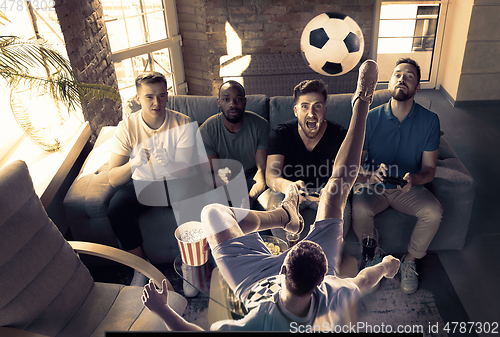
(395, 181)
(309, 195)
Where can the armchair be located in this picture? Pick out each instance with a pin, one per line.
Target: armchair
(45, 290)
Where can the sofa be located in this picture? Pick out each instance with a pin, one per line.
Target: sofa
(88, 197)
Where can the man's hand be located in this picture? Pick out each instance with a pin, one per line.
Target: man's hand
(153, 299)
(140, 159)
(391, 265)
(161, 155)
(378, 176)
(301, 185)
(408, 186)
(156, 301)
(257, 188)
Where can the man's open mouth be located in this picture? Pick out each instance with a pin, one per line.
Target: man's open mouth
(311, 125)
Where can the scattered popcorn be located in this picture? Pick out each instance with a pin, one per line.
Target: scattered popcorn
(274, 249)
(192, 235)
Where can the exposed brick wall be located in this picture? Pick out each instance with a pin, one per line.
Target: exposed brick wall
(89, 51)
(264, 27)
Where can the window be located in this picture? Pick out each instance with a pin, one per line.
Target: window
(144, 37)
(409, 29)
(41, 23)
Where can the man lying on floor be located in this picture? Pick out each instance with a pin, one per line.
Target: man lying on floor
(308, 292)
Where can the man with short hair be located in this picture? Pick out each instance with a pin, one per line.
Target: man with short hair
(402, 139)
(302, 150)
(300, 285)
(239, 135)
(152, 150)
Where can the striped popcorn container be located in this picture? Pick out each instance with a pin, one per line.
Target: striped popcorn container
(192, 243)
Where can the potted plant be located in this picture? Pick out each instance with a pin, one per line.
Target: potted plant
(34, 64)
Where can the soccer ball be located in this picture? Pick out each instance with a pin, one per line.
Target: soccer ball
(332, 44)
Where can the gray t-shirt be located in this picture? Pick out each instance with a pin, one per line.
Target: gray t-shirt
(240, 146)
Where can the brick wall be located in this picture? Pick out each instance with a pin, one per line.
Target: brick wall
(264, 27)
(89, 51)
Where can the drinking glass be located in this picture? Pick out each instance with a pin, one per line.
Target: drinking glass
(292, 239)
(369, 242)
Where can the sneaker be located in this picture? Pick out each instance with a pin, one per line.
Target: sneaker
(376, 260)
(373, 262)
(409, 276)
(367, 81)
(291, 205)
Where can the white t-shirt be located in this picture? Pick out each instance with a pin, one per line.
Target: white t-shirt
(176, 132)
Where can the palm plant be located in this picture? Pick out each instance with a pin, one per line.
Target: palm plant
(19, 61)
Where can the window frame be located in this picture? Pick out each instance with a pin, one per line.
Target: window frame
(173, 42)
(438, 43)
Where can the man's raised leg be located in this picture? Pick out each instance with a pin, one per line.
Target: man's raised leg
(220, 222)
(346, 165)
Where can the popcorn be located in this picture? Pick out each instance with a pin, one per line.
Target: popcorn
(274, 249)
(192, 235)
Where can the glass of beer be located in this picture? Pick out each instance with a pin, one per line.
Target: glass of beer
(369, 242)
(292, 239)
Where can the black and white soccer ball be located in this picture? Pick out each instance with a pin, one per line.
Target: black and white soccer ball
(332, 44)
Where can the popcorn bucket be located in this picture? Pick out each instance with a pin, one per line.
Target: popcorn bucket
(193, 245)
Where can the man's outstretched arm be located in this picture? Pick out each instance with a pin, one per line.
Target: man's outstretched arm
(370, 276)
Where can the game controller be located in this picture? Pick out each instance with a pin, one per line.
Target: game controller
(312, 196)
(395, 180)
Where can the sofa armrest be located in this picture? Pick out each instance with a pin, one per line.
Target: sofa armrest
(450, 171)
(455, 188)
(90, 194)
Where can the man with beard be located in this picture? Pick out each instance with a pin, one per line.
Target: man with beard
(402, 139)
(302, 150)
(239, 135)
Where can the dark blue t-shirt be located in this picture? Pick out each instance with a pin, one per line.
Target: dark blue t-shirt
(399, 145)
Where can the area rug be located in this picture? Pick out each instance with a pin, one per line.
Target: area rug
(431, 310)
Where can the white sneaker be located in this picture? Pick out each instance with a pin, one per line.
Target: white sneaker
(409, 276)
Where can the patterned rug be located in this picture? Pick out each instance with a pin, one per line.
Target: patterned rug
(430, 310)
(388, 309)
